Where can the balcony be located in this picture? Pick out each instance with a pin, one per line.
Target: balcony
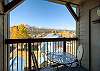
(20, 57)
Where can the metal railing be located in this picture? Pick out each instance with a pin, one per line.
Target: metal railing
(19, 51)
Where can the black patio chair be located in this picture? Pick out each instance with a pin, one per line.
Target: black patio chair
(36, 68)
(77, 63)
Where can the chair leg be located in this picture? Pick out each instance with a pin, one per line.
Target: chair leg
(57, 68)
(69, 68)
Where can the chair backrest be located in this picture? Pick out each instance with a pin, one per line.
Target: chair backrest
(79, 52)
(34, 61)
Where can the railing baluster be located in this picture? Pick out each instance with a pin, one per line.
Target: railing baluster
(67, 47)
(75, 48)
(7, 57)
(54, 46)
(58, 47)
(12, 56)
(47, 54)
(37, 50)
(44, 54)
(64, 46)
(26, 48)
(29, 56)
(40, 53)
(33, 47)
(72, 48)
(17, 56)
(50, 51)
(21, 56)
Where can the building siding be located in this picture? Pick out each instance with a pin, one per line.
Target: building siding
(84, 28)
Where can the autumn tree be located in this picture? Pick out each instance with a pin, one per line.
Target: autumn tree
(19, 32)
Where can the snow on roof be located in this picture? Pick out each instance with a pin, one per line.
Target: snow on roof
(52, 36)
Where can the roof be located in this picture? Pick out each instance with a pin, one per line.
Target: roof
(64, 1)
(52, 36)
(50, 46)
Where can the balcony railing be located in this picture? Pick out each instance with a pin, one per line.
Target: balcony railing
(19, 51)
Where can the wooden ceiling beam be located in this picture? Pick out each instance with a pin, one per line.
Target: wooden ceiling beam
(67, 3)
(63, 2)
(72, 11)
(11, 5)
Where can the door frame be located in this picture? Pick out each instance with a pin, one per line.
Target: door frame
(90, 10)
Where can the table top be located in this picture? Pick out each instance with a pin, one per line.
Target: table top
(61, 57)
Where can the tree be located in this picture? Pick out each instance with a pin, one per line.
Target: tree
(19, 32)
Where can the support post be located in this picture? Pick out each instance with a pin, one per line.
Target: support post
(64, 46)
(29, 56)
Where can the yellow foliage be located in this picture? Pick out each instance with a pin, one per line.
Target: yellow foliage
(67, 34)
(19, 32)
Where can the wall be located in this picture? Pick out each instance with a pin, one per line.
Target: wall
(84, 28)
(95, 40)
(3, 36)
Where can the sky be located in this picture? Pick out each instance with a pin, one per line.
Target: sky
(42, 14)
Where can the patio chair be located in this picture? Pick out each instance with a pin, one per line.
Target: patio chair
(77, 63)
(79, 54)
(36, 68)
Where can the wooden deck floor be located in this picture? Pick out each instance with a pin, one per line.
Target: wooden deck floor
(72, 69)
(64, 69)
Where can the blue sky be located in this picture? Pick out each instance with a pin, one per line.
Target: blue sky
(41, 13)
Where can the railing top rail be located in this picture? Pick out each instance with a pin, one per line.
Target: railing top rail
(12, 41)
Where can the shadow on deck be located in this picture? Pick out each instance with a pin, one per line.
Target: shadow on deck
(64, 69)
(72, 69)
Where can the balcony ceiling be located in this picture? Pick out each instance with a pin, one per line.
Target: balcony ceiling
(64, 1)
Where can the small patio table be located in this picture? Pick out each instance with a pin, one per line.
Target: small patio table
(62, 58)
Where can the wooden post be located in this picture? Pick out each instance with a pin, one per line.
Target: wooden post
(29, 56)
(64, 46)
